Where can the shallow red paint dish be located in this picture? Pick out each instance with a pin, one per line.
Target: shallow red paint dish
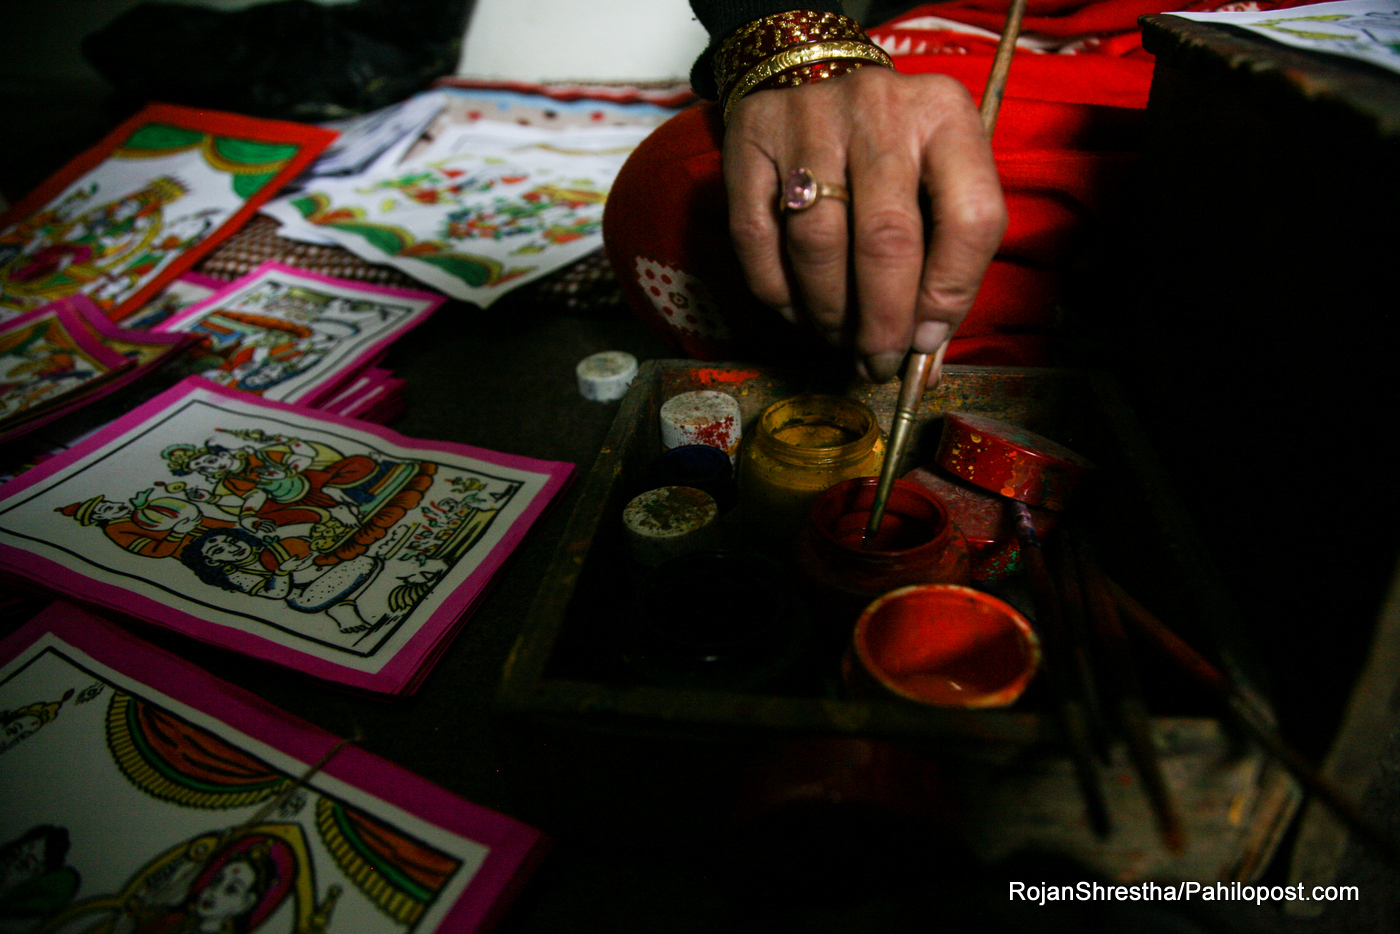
(1010, 460)
(945, 645)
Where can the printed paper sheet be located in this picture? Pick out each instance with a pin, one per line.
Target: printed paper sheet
(331, 546)
(1367, 30)
(487, 207)
(123, 219)
(137, 793)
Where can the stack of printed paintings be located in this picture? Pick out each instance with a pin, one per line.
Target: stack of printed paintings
(328, 545)
(138, 793)
(297, 336)
(66, 354)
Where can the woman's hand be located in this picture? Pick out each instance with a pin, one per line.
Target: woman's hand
(881, 273)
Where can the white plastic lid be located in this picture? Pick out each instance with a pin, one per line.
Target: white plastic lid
(605, 376)
(670, 521)
(704, 416)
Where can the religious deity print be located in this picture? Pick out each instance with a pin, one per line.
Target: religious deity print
(296, 336)
(548, 214)
(294, 521)
(204, 826)
(231, 881)
(484, 208)
(70, 357)
(101, 251)
(126, 217)
(46, 356)
(235, 521)
(436, 184)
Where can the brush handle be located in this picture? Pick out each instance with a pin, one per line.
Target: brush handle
(916, 374)
(1250, 714)
(1133, 717)
(1001, 66)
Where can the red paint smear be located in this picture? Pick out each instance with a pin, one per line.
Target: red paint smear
(717, 434)
(709, 376)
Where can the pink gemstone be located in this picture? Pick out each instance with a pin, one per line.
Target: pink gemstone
(800, 190)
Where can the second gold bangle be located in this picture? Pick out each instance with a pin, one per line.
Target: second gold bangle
(802, 56)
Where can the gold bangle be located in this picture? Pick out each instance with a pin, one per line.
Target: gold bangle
(757, 40)
(863, 52)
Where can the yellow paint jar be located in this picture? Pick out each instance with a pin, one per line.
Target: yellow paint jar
(801, 446)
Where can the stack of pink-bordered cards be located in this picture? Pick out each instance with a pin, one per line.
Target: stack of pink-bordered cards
(328, 545)
(138, 793)
(67, 354)
(298, 336)
(278, 332)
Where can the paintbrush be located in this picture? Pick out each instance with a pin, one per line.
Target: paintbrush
(1066, 574)
(1255, 720)
(922, 368)
(1055, 645)
(1132, 711)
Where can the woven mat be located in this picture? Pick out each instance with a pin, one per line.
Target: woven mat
(257, 241)
(585, 285)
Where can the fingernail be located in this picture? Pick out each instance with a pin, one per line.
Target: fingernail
(935, 374)
(834, 337)
(788, 313)
(930, 335)
(881, 367)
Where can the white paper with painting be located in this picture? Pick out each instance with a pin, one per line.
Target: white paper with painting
(296, 336)
(324, 544)
(137, 793)
(484, 209)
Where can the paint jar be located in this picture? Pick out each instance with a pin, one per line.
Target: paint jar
(943, 645)
(1010, 461)
(715, 618)
(801, 446)
(606, 376)
(917, 543)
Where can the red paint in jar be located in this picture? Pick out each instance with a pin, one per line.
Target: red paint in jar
(918, 543)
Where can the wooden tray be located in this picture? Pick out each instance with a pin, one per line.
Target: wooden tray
(591, 734)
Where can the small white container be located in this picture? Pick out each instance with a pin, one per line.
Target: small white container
(605, 376)
(670, 521)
